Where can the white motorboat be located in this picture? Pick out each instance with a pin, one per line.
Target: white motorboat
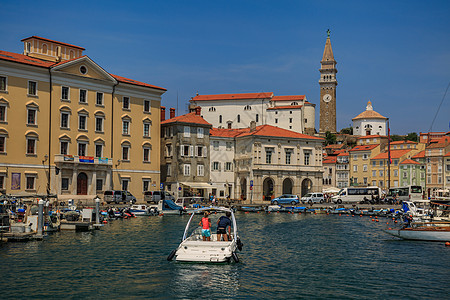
(423, 231)
(194, 249)
(143, 210)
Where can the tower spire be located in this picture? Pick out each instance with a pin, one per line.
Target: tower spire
(328, 51)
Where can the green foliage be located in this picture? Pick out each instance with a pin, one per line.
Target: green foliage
(412, 136)
(330, 138)
(396, 137)
(348, 130)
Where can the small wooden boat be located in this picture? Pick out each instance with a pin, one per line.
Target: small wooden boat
(423, 231)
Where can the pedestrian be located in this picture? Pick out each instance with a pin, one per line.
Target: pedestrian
(206, 226)
(224, 227)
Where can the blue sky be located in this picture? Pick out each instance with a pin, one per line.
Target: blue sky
(394, 53)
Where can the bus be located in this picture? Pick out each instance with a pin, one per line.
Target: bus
(412, 193)
(356, 194)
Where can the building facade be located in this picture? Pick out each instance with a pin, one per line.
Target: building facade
(436, 165)
(342, 170)
(369, 122)
(70, 128)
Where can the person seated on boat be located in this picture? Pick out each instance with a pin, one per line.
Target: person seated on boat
(224, 225)
(206, 226)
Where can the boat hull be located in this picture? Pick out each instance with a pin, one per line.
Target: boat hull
(205, 251)
(422, 234)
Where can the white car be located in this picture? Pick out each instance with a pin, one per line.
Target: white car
(313, 198)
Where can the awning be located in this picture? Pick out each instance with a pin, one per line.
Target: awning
(198, 185)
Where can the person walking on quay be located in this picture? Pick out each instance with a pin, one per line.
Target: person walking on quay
(206, 226)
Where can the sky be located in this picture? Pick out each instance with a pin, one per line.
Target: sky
(394, 53)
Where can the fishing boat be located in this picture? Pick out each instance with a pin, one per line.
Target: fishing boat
(423, 231)
(194, 249)
(143, 210)
(168, 207)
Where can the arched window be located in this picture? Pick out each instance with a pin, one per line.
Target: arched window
(257, 118)
(72, 54)
(247, 107)
(44, 49)
(220, 119)
(294, 103)
(212, 109)
(239, 118)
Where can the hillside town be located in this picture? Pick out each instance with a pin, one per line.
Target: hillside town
(70, 128)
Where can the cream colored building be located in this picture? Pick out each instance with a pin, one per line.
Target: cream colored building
(70, 128)
(359, 160)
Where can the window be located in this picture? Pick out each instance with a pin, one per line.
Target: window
(98, 150)
(30, 182)
(290, 120)
(65, 93)
(99, 185)
(125, 183)
(99, 124)
(146, 129)
(257, 118)
(185, 150)
(439, 179)
(212, 109)
(355, 156)
(276, 121)
(44, 49)
(31, 146)
(306, 155)
(200, 170)
(405, 174)
(428, 179)
(365, 180)
(125, 152)
(82, 122)
(216, 166)
(374, 173)
(395, 183)
(229, 146)
(31, 116)
(187, 169)
(247, 107)
(147, 106)
(125, 127)
(146, 154)
(220, 119)
(381, 173)
(374, 163)
(239, 118)
(199, 151)
(99, 98)
(126, 102)
(83, 96)
(169, 170)
(65, 184)
(187, 131)
(216, 145)
(145, 184)
(364, 168)
(199, 132)
(82, 149)
(2, 113)
(2, 144)
(365, 156)
(3, 84)
(64, 147)
(269, 155)
(381, 183)
(374, 182)
(395, 162)
(396, 173)
(381, 163)
(228, 166)
(169, 150)
(32, 88)
(355, 168)
(64, 120)
(288, 157)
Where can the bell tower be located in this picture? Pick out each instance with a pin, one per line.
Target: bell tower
(328, 85)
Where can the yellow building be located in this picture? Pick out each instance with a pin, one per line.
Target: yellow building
(70, 128)
(359, 159)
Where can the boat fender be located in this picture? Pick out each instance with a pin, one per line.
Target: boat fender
(171, 255)
(239, 244)
(235, 257)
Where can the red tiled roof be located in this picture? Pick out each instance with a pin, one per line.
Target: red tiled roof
(334, 146)
(402, 142)
(329, 160)
(410, 162)
(285, 107)
(24, 59)
(232, 96)
(224, 132)
(394, 154)
(369, 114)
(52, 41)
(336, 152)
(135, 82)
(191, 118)
(69, 60)
(288, 98)
(269, 130)
(421, 154)
(448, 154)
(343, 154)
(364, 147)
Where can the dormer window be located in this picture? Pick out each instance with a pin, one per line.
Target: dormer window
(294, 103)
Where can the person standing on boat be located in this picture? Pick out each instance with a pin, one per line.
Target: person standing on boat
(206, 226)
(224, 225)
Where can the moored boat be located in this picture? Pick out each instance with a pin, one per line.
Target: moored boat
(423, 231)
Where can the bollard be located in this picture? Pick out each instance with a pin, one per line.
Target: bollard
(40, 217)
(97, 210)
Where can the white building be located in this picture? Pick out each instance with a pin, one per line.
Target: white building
(238, 110)
(369, 122)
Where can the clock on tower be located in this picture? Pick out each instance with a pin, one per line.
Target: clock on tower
(327, 83)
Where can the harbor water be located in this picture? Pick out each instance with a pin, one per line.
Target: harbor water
(284, 256)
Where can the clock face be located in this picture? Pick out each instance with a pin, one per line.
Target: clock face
(327, 97)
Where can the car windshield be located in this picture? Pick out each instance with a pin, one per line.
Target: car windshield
(308, 195)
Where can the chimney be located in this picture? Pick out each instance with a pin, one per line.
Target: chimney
(163, 113)
(198, 110)
(172, 112)
(252, 126)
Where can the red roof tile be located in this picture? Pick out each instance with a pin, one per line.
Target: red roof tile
(343, 154)
(329, 160)
(421, 154)
(285, 107)
(135, 82)
(24, 59)
(224, 132)
(52, 41)
(410, 162)
(273, 131)
(394, 154)
(402, 142)
(364, 147)
(289, 98)
(448, 154)
(334, 146)
(232, 96)
(191, 118)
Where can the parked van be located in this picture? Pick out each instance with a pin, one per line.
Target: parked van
(313, 198)
(155, 196)
(118, 197)
(356, 194)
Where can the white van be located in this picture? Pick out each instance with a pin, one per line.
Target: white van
(313, 198)
(356, 194)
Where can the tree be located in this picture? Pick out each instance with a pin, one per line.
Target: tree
(396, 137)
(348, 130)
(330, 138)
(412, 136)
